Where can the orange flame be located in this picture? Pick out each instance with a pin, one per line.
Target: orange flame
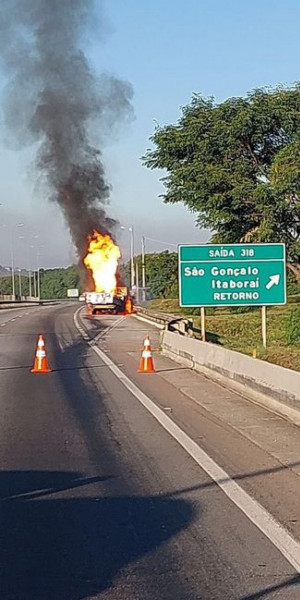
(102, 259)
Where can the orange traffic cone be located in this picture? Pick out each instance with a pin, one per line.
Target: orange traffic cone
(146, 362)
(40, 360)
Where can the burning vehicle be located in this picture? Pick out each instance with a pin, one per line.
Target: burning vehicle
(102, 261)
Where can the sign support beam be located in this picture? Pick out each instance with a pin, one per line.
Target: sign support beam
(202, 314)
(264, 325)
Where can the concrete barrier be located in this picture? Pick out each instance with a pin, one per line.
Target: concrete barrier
(252, 377)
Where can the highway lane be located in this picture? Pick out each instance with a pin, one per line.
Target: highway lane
(97, 499)
(8, 315)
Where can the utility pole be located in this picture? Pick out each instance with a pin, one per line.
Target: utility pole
(143, 269)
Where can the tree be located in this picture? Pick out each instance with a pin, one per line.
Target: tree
(236, 165)
(56, 282)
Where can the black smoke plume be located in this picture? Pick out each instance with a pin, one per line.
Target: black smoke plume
(53, 99)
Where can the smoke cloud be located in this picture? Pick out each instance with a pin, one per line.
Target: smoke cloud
(54, 100)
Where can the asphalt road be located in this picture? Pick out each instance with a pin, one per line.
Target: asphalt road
(98, 500)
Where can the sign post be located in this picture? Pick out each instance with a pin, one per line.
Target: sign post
(202, 314)
(232, 275)
(264, 325)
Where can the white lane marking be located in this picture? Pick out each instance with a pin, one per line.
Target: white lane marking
(11, 320)
(259, 516)
(60, 345)
(80, 329)
(103, 333)
(3, 324)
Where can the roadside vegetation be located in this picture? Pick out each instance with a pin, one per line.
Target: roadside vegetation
(240, 329)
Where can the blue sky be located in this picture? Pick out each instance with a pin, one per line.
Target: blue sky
(167, 49)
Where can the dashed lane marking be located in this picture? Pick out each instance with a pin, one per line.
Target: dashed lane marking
(257, 514)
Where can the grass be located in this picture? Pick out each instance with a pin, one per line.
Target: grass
(242, 331)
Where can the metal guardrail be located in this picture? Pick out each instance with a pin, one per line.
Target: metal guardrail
(24, 303)
(174, 323)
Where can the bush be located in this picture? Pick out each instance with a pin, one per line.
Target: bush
(238, 310)
(209, 311)
(293, 327)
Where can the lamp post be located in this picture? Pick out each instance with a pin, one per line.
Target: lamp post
(18, 225)
(20, 283)
(35, 272)
(29, 271)
(132, 255)
(38, 275)
(132, 273)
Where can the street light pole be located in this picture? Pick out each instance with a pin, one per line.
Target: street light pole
(38, 276)
(13, 273)
(137, 282)
(29, 281)
(34, 273)
(132, 272)
(132, 256)
(20, 284)
(143, 269)
(34, 283)
(13, 261)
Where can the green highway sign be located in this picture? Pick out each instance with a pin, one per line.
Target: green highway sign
(232, 274)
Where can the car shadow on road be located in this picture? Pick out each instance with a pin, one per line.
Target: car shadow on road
(60, 543)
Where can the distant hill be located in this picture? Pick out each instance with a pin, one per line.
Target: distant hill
(6, 271)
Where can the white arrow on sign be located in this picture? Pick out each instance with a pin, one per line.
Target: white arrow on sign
(274, 280)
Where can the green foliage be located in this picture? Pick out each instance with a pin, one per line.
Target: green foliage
(293, 327)
(237, 166)
(162, 274)
(55, 282)
(6, 285)
(292, 284)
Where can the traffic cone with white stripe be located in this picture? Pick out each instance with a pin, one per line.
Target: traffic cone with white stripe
(146, 362)
(40, 361)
